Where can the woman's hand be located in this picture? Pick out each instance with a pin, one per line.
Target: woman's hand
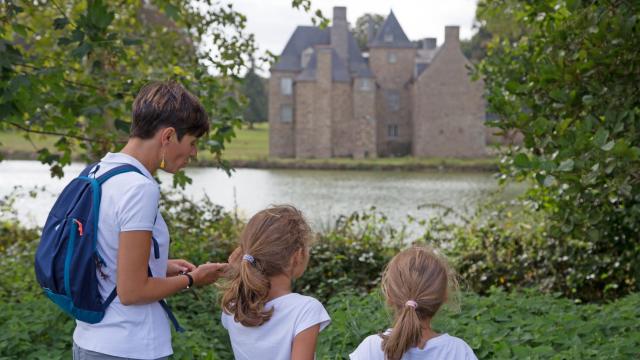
(208, 273)
(176, 266)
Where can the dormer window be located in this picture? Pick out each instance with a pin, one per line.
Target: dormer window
(388, 37)
(305, 57)
(286, 86)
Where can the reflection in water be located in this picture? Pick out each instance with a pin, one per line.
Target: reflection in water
(321, 194)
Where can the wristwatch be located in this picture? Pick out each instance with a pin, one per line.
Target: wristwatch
(188, 276)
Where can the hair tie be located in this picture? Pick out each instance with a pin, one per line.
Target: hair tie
(249, 258)
(411, 303)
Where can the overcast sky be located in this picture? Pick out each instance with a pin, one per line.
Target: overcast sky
(273, 21)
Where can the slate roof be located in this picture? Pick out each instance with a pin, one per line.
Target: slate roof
(392, 27)
(308, 36)
(339, 73)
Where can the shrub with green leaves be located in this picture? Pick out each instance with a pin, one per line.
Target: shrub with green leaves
(570, 86)
(517, 325)
(351, 255)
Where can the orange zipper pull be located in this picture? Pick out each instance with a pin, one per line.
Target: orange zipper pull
(79, 226)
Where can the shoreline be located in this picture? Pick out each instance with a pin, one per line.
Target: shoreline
(380, 164)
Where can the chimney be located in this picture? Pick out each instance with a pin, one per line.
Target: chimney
(340, 32)
(452, 34)
(429, 43)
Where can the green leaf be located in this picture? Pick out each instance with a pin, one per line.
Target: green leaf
(522, 161)
(82, 50)
(608, 146)
(122, 125)
(20, 29)
(549, 180)
(566, 165)
(600, 137)
(60, 23)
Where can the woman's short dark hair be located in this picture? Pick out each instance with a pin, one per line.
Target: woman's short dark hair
(167, 104)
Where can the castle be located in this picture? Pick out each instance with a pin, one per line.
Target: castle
(328, 99)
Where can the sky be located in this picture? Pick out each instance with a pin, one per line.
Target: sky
(273, 21)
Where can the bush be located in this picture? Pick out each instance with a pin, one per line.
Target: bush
(350, 255)
(346, 263)
(570, 87)
(521, 325)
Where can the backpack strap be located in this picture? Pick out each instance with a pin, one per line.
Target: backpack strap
(117, 171)
(167, 309)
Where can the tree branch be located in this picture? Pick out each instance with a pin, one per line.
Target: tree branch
(43, 132)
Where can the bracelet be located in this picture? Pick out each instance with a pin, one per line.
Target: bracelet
(188, 276)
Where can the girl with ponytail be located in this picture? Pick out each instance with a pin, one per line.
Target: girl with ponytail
(415, 284)
(264, 318)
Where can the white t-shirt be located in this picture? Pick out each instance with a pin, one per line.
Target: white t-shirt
(129, 202)
(441, 347)
(292, 313)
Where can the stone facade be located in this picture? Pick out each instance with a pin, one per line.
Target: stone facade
(328, 99)
(449, 110)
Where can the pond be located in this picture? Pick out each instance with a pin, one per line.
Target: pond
(321, 194)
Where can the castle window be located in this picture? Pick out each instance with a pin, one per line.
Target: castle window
(365, 84)
(286, 113)
(392, 131)
(388, 37)
(391, 57)
(305, 57)
(393, 100)
(286, 86)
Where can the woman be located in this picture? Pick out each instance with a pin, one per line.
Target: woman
(167, 121)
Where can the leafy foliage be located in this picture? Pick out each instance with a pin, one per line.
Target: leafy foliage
(517, 325)
(571, 88)
(345, 266)
(254, 89)
(361, 28)
(71, 68)
(350, 255)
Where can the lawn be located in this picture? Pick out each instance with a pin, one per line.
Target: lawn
(250, 148)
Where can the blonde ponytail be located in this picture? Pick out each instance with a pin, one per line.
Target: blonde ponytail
(406, 333)
(267, 243)
(416, 283)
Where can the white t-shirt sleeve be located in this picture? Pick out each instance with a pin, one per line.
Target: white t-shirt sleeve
(369, 349)
(313, 313)
(138, 207)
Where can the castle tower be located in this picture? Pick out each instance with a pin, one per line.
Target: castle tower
(392, 61)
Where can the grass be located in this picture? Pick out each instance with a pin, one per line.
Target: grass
(250, 148)
(12, 142)
(249, 144)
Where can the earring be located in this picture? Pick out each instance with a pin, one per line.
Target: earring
(162, 162)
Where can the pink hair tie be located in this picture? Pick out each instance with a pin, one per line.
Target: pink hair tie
(411, 303)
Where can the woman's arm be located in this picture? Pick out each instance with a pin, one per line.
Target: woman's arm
(133, 281)
(304, 344)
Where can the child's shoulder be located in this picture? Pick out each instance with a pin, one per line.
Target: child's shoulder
(451, 347)
(370, 348)
(297, 300)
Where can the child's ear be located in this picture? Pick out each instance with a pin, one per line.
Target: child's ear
(297, 258)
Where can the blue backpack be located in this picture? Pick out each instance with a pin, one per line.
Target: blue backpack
(67, 261)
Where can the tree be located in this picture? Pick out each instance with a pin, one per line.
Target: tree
(361, 29)
(494, 19)
(71, 68)
(571, 87)
(253, 88)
